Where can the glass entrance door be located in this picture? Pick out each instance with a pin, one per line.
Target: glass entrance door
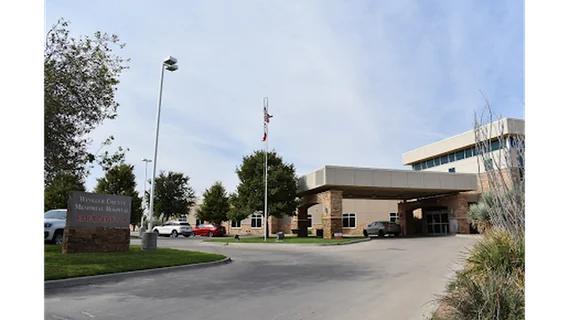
(437, 222)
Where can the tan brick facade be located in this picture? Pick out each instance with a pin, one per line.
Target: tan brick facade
(96, 240)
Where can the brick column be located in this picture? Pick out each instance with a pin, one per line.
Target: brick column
(302, 222)
(332, 212)
(405, 218)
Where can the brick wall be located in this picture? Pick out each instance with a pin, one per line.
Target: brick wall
(98, 239)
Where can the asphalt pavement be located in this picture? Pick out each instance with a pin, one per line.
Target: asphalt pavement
(392, 278)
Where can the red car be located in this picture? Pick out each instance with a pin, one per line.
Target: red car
(210, 230)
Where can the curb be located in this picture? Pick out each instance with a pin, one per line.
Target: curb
(98, 279)
(216, 243)
(343, 243)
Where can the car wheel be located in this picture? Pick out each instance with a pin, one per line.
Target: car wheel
(157, 233)
(365, 233)
(174, 234)
(210, 234)
(58, 237)
(380, 234)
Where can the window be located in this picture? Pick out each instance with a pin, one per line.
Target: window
(198, 222)
(451, 169)
(437, 161)
(430, 163)
(393, 217)
(469, 152)
(256, 221)
(348, 220)
(423, 165)
(495, 145)
(235, 224)
(451, 157)
(444, 159)
(309, 217)
(459, 155)
(417, 166)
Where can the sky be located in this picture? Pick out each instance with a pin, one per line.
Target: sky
(353, 83)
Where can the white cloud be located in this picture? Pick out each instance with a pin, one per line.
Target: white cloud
(355, 83)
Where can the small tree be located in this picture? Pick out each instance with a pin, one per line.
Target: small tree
(56, 194)
(504, 171)
(173, 195)
(215, 204)
(120, 180)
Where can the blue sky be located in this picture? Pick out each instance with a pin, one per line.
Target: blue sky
(349, 82)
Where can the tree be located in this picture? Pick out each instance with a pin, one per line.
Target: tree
(120, 180)
(173, 195)
(282, 187)
(80, 79)
(56, 194)
(215, 204)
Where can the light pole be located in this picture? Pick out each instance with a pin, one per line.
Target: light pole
(150, 238)
(144, 204)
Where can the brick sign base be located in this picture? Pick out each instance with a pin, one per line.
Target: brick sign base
(98, 239)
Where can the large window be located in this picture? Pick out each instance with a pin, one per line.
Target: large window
(393, 216)
(236, 224)
(309, 217)
(430, 163)
(459, 155)
(451, 157)
(348, 220)
(437, 161)
(444, 159)
(469, 152)
(417, 166)
(423, 165)
(495, 145)
(256, 221)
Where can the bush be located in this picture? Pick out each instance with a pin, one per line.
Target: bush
(492, 284)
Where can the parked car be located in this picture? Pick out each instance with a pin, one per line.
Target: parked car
(53, 225)
(174, 228)
(382, 228)
(210, 230)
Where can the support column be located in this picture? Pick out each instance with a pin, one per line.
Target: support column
(302, 221)
(405, 218)
(332, 212)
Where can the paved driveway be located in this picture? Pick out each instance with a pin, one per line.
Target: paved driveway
(379, 279)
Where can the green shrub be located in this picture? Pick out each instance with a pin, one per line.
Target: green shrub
(491, 286)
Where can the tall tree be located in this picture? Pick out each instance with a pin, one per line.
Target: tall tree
(57, 193)
(120, 180)
(282, 186)
(80, 80)
(173, 195)
(215, 204)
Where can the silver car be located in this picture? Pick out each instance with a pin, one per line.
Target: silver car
(382, 228)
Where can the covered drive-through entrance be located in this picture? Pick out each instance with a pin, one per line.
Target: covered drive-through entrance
(441, 198)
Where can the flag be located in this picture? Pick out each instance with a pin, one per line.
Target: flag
(267, 117)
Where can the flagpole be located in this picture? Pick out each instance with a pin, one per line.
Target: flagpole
(266, 108)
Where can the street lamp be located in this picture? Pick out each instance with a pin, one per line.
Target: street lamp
(150, 238)
(144, 204)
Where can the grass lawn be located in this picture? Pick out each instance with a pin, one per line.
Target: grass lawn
(63, 266)
(308, 240)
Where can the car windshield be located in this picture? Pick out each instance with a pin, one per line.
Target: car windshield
(55, 214)
(184, 224)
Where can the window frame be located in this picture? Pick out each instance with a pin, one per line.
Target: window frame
(391, 217)
(453, 169)
(235, 223)
(467, 151)
(462, 153)
(444, 159)
(309, 218)
(349, 215)
(259, 217)
(451, 157)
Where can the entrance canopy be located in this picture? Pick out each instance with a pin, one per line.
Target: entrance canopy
(385, 184)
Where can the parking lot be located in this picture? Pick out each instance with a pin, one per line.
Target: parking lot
(391, 278)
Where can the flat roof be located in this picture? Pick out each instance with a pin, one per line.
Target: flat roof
(466, 139)
(385, 184)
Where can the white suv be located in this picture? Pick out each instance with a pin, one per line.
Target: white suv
(174, 228)
(53, 225)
